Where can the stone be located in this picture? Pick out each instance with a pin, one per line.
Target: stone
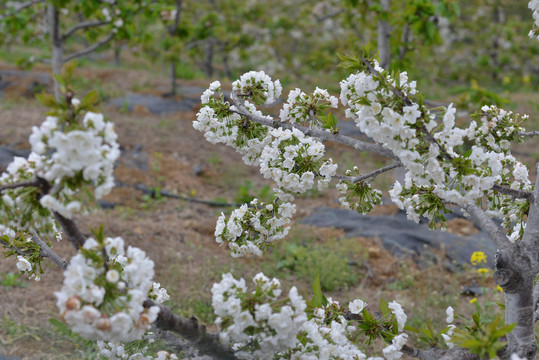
(403, 237)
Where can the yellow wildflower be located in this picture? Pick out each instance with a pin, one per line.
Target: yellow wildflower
(499, 288)
(478, 257)
(473, 301)
(482, 270)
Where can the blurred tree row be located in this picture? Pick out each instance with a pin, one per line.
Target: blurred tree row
(436, 40)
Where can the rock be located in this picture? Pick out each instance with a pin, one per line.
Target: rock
(402, 237)
(154, 104)
(136, 158)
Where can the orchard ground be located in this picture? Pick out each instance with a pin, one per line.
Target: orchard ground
(178, 235)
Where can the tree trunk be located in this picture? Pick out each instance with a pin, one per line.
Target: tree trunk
(172, 78)
(208, 61)
(226, 67)
(383, 36)
(515, 275)
(57, 45)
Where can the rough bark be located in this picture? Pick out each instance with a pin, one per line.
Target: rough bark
(190, 329)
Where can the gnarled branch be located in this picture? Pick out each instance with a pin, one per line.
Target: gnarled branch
(191, 330)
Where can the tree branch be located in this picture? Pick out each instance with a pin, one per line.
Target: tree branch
(372, 174)
(439, 354)
(14, 248)
(482, 220)
(83, 25)
(321, 134)
(519, 194)
(22, 7)
(47, 252)
(73, 233)
(30, 183)
(89, 49)
(191, 330)
(528, 133)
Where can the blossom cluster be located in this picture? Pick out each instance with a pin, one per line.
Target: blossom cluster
(290, 158)
(20, 210)
(261, 325)
(103, 292)
(74, 153)
(533, 5)
(358, 195)
(438, 172)
(250, 229)
(302, 108)
(259, 87)
(256, 324)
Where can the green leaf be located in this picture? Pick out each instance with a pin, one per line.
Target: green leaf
(90, 100)
(47, 100)
(318, 299)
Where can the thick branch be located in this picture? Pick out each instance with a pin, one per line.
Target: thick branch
(83, 25)
(30, 183)
(47, 252)
(321, 134)
(89, 49)
(72, 231)
(372, 174)
(482, 220)
(22, 7)
(191, 330)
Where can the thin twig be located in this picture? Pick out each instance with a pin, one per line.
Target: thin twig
(22, 7)
(528, 133)
(321, 134)
(372, 174)
(89, 49)
(29, 183)
(14, 248)
(47, 252)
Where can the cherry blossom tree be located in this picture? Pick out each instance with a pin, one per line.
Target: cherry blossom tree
(95, 23)
(109, 295)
